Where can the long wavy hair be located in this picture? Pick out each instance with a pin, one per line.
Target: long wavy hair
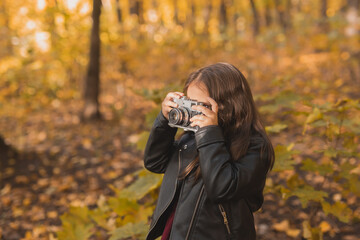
(237, 115)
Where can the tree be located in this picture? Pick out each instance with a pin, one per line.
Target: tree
(5, 32)
(136, 7)
(176, 12)
(3, 146)
(324, 21)
(268, 17)
(223, 16)
(283, 11)
(323, 8)
(207, 15)
(256, 25)
(118, 11)
(92, 80)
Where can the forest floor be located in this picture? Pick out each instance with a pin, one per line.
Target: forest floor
(58, 161)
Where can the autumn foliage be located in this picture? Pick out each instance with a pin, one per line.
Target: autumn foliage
(64, 178)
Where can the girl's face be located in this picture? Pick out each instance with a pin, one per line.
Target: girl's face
(198, 91)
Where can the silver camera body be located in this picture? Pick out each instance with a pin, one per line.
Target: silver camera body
(180, 117)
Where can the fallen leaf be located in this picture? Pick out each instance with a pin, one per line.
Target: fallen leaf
(6, 189)
(52, 214)
(325, 226)
(281, 226)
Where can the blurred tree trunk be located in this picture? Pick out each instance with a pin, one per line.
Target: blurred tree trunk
(324, 19)
(354, 3)
(118, 11)
(323, 9)
(283, 10)
(256, 26)
(191, 18)
(50, 13)
(4, 150)
(136, 7)
(5, 40)
(207, 16)
(268, 17)
(223, 17)
(92, 80)
(176, 13)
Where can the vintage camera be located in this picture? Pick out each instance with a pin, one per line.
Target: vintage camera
(180, 117)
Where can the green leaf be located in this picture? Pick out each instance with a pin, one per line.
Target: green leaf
(354, 184)
(331, 152)
(276, 128)
(151, 116)
(295, 181)
(143, 185)
(123, 206)
(311, 233)
(307, 193)
(314, 116)
(283, 158)
(143, 138)
(101, 218)
(76, 224)
(323, 169)
(287, 98)
(339, 210)
(346, 168)
(353, 125)
(138, 230)
(270, 108)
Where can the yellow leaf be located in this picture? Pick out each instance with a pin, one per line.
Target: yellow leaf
(8, 63)
(306, 230)
(6, 189)
(52, 214)
(281, 226)
(325, 226)
(26, 201)
(276, 128)
(314, 116)
(17, 212)
(87, 143)
(28, 235)
(37, 231)
(293, 232)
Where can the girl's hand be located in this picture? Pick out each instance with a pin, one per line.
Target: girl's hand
(209, 117)
(169, 104)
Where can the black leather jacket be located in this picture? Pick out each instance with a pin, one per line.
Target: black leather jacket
(221, 203)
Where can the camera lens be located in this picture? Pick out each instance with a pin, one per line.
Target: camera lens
(179, 116)
(176, 116)
(186, 118)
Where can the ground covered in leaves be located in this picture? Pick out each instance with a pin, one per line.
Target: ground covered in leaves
(57, 161)
(62, 163)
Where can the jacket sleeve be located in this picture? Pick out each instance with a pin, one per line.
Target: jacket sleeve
(159, 145)
(225, 179)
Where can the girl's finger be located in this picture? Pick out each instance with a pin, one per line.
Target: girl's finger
(195, 123)
(172, 95)
(214, 105)
(171, 104)
(195, 118)
(203, 109)
(180, 93)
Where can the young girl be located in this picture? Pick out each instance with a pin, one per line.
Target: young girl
(214, 178)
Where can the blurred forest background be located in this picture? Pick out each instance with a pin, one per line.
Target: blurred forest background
(81, 83)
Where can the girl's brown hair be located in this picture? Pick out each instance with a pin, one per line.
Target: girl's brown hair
(237, 115)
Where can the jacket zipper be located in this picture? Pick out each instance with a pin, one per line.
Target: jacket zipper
(176, 182)
(226, 222)
(195, 210)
